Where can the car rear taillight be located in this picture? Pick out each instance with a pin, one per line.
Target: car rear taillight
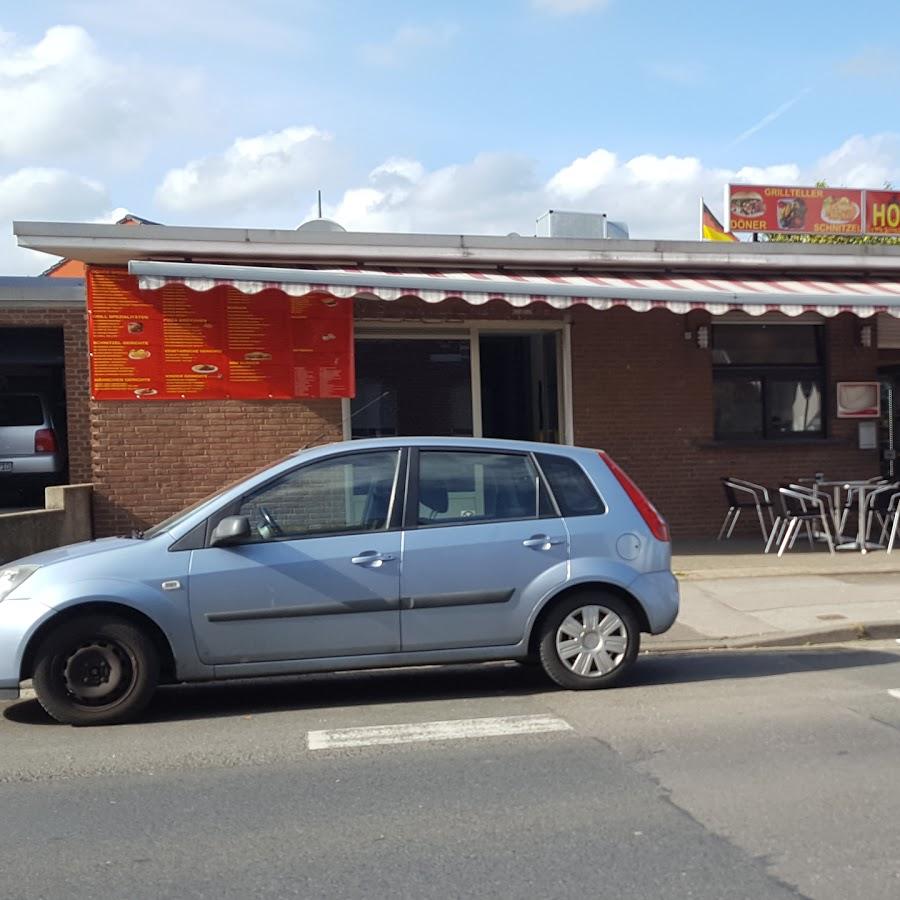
(45, 441)
(655, 522)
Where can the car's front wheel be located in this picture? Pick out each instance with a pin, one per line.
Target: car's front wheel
(95, 670)
(589, 641)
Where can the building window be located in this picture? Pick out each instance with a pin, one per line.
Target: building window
(768, 381)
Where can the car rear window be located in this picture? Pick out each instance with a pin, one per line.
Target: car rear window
(21, 410)
(575, 495)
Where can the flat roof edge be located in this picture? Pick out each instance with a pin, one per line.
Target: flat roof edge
(105, 244)
(33, 290)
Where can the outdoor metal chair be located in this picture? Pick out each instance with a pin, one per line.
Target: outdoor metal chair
(880, 506)
(784, 515)
(891, 519)
(800, 508)
(740, 495)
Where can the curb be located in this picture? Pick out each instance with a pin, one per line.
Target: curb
(852, 631)
(757, 572)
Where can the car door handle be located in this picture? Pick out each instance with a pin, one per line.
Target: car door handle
(541, 542)
(371, 558)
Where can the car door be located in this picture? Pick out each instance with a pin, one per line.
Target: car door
(320, 575)
(483, 543)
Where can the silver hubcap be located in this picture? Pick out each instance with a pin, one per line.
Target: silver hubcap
(591, 641)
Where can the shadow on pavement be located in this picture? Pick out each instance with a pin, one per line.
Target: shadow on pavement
(411, 685)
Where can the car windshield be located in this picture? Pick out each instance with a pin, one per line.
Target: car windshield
(173, 520)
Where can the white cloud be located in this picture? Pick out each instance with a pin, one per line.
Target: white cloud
(408, 42)
(568, 7)
(54, 194)
(269, 171)
(664, 170)
(657, 195)
(862, 162)
(60, 97)
(786, 173)
(487, 194)
(584, 175)
(212, 22)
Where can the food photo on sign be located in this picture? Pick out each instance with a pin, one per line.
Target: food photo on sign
(791, 214)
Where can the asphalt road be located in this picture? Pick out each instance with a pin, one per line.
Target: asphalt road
(720, 775)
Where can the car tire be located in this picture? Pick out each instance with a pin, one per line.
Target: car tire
(589, 641)
(96, 670)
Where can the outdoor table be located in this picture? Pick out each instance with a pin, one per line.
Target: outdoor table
(861, 488)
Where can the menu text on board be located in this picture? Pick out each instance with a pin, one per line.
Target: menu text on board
(178, 344)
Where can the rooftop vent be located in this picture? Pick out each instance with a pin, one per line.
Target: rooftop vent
(556, 223)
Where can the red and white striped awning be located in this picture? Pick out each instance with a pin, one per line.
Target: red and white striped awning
(792, 296)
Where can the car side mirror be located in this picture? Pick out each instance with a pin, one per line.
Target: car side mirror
(231, 530)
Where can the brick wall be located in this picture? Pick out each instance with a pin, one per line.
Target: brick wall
(644, 393)
(152, 459)
(640, 391)
(72, 321)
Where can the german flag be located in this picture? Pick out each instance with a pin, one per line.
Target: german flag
(711, 227)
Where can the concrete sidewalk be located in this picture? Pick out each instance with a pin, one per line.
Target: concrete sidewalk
(735, 596)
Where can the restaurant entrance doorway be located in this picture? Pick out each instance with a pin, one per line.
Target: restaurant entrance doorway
(476, 381)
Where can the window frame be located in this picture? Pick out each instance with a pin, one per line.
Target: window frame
(395, 510)
(765, 373)
(411, 505)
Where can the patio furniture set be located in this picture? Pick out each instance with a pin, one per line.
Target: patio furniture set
(824, 509)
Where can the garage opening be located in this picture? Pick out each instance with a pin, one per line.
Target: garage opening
(33, 436)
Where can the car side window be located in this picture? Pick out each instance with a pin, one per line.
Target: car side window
(575, 494)
(461, 487)
(344, 494)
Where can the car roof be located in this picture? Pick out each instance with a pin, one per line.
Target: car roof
(459, 443)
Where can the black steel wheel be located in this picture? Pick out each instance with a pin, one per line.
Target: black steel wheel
(96, 670)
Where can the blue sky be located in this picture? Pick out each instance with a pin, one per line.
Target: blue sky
(444, 116)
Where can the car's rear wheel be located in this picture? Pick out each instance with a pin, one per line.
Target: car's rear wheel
(95, 670)
(589, 641)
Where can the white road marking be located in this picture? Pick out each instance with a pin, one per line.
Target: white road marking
(895, 693)
(434, 731)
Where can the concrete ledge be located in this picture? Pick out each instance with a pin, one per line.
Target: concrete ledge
(65, 519)
(852, 631)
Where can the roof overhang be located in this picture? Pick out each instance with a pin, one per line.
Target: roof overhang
(27, 292)
(118, 244)
(756, 296)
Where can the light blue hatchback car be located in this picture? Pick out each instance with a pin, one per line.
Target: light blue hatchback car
(387, 552)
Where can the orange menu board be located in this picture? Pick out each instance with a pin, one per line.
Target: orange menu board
(177, 344)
